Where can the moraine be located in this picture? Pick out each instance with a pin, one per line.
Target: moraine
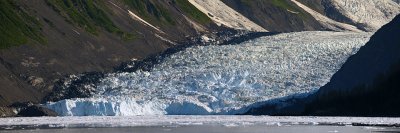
(204, 80)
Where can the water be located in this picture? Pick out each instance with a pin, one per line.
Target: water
(217, 129)
(198, 124)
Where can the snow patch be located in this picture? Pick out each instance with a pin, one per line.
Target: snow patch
(137, 18)
(165, 39)
(222, 14)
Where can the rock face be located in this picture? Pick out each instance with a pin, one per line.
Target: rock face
(7, 112)
(369, 15)
(290, 15)
(367, 84)
(222, 14)
(377, 59)
(36, 110)
(275, 15)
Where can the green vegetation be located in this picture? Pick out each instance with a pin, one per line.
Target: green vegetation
(193, 12)
(16, 26)
(284, 4)
(245, 2)
(315, 5)
(151, 12)
(88, 14)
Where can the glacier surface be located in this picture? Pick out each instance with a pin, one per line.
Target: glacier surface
(210, 80)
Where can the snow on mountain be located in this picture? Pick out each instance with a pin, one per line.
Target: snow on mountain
(372, 14)
(327, 22)
(137, 18)
(222, 14)
(221, 79)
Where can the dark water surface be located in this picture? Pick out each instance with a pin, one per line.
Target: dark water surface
(217, 129)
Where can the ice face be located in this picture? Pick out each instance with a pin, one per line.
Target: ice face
(221, 79)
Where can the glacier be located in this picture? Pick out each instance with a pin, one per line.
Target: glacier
(221, 79)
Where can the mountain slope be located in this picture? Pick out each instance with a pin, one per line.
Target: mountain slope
(367, 15)
(299, 15)
(372, 14)
(327, 22)
(63, 37)
(275, 15)
(368, 81)
(224, 15)
(366, 85)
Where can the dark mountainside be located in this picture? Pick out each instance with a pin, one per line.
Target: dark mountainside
(316, 5)
(286, 16)
(45, 40)
(326, 8)
(276, 15)
(366, 85)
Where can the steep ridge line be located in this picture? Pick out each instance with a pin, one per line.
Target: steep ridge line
(137, 18)
(327, 22)
(222, 14)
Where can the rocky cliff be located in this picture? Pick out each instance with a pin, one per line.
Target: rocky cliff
(366, 84)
